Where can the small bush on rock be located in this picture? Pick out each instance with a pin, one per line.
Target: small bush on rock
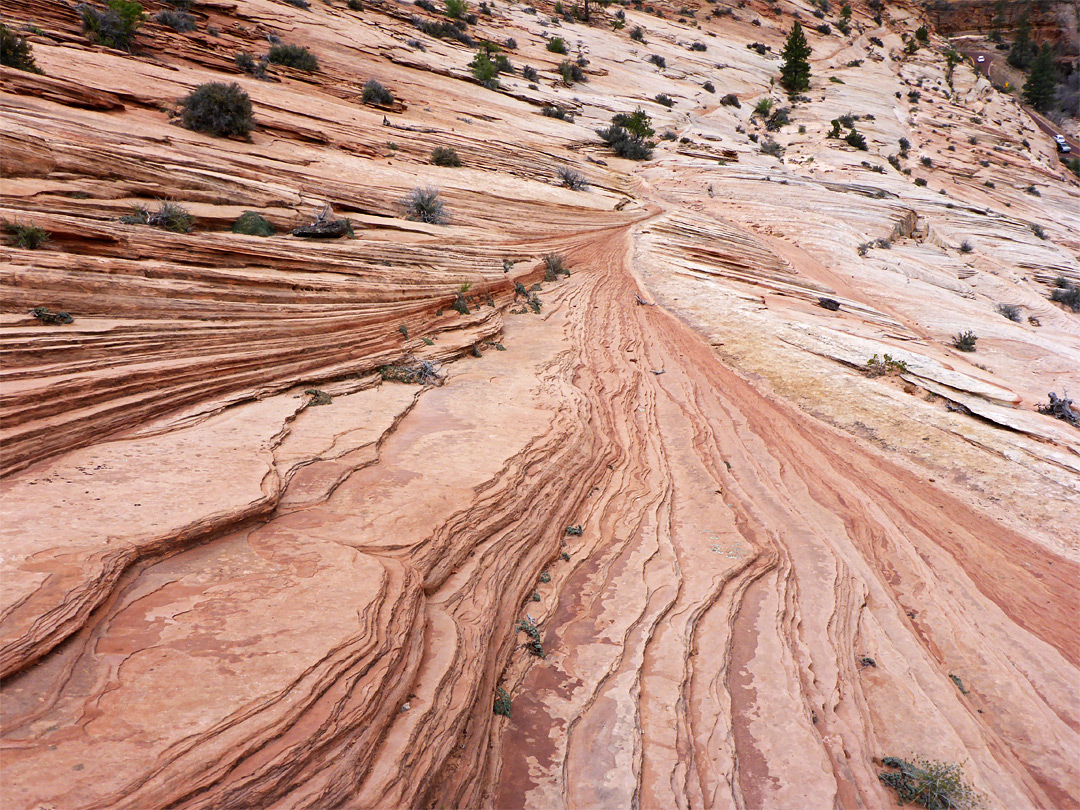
(168, 217)
(556, 45)
(220, 109)
(965, 341)
(252, 224)
(445, 156)
(293, 56)
(375, 93)
(16, 52)
(933, 785)
(573, 179)
(27, 237)
(424, 205)
(115, 25)
(176, 20)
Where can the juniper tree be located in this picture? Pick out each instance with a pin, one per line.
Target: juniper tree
(795, 71)
(1041, 86)
(1023, 49)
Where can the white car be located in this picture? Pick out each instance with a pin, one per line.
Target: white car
(1061, 145)
(981, 59)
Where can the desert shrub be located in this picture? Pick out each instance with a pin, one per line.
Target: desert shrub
(636, 123)
(919, 181)
(252, 224)
(375, 93)
(965, 247)
(445, 156)
(294, 56)
(304, 4)
(914, 96)
(545, 577)
(573, 179)
(554, 111)
(625, 144)
(46, 316)
(115, 25)
(824, 28)
(27, 237)
(780, 118)
(877, 41)
(1060, 408)
(176, 20)
(570, 72)
(317, 397)
(731, 100)
(771, 148)
(894, 161)
(1034, 192)
(856, 139)
(638, 34)
(665, 99)
(168, 217)
(1010, 311)
(699, 46)
(830, 304)
(16, 52)
(927, 162)
(759, 47)
(443, 29)
(709, 87)
(556, 45)
(933, 785)
(484, 70)
(355, 5)
(575, 531)
(247, 63)
(921, 34)
(217, 108)
(877, 367)
(529, 628)
(424, 372)
(424, 205)
(503, 704)
(763, 106)
(657, 60)
(964, 341)
(529, 73)
(669, 135)
(1068, 295)
(1037, 229)
(456, 9)
(555, 265)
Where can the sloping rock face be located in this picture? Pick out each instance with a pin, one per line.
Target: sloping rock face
(283, 519)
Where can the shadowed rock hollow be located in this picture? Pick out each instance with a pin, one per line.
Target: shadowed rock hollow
(257, 554)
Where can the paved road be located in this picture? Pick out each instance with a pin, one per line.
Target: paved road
(1042, 123)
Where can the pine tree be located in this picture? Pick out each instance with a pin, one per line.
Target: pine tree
(1041, 86)
(1023, 49)
(795, 71)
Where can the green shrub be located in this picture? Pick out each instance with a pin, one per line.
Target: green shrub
(856, 139)
(529, 73)
(220, 109)
(771, 148)
(965, 341)
(554, 265)
(424, 205)
(317, 397)
(293, 56)
(933, 785)
(176, 20)
(556, 45)
(657, 60)
(553, 111)
(636, 123)
(1068, 295)
(965, 247)
(484, 70)
(168, 217)
(16, 52)
(375, 93)
(46, 316)
(247, 63)
(665, 99)
(456, 9)
(638, 34)
(115, 25)
(503, 703)
(251, 224)
(445, 156)
(876, 367)
(625, 144)
(27, 237)
(530, 629)
(571, 73)
(575, 531)
(1010, 311)
(763, 107)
